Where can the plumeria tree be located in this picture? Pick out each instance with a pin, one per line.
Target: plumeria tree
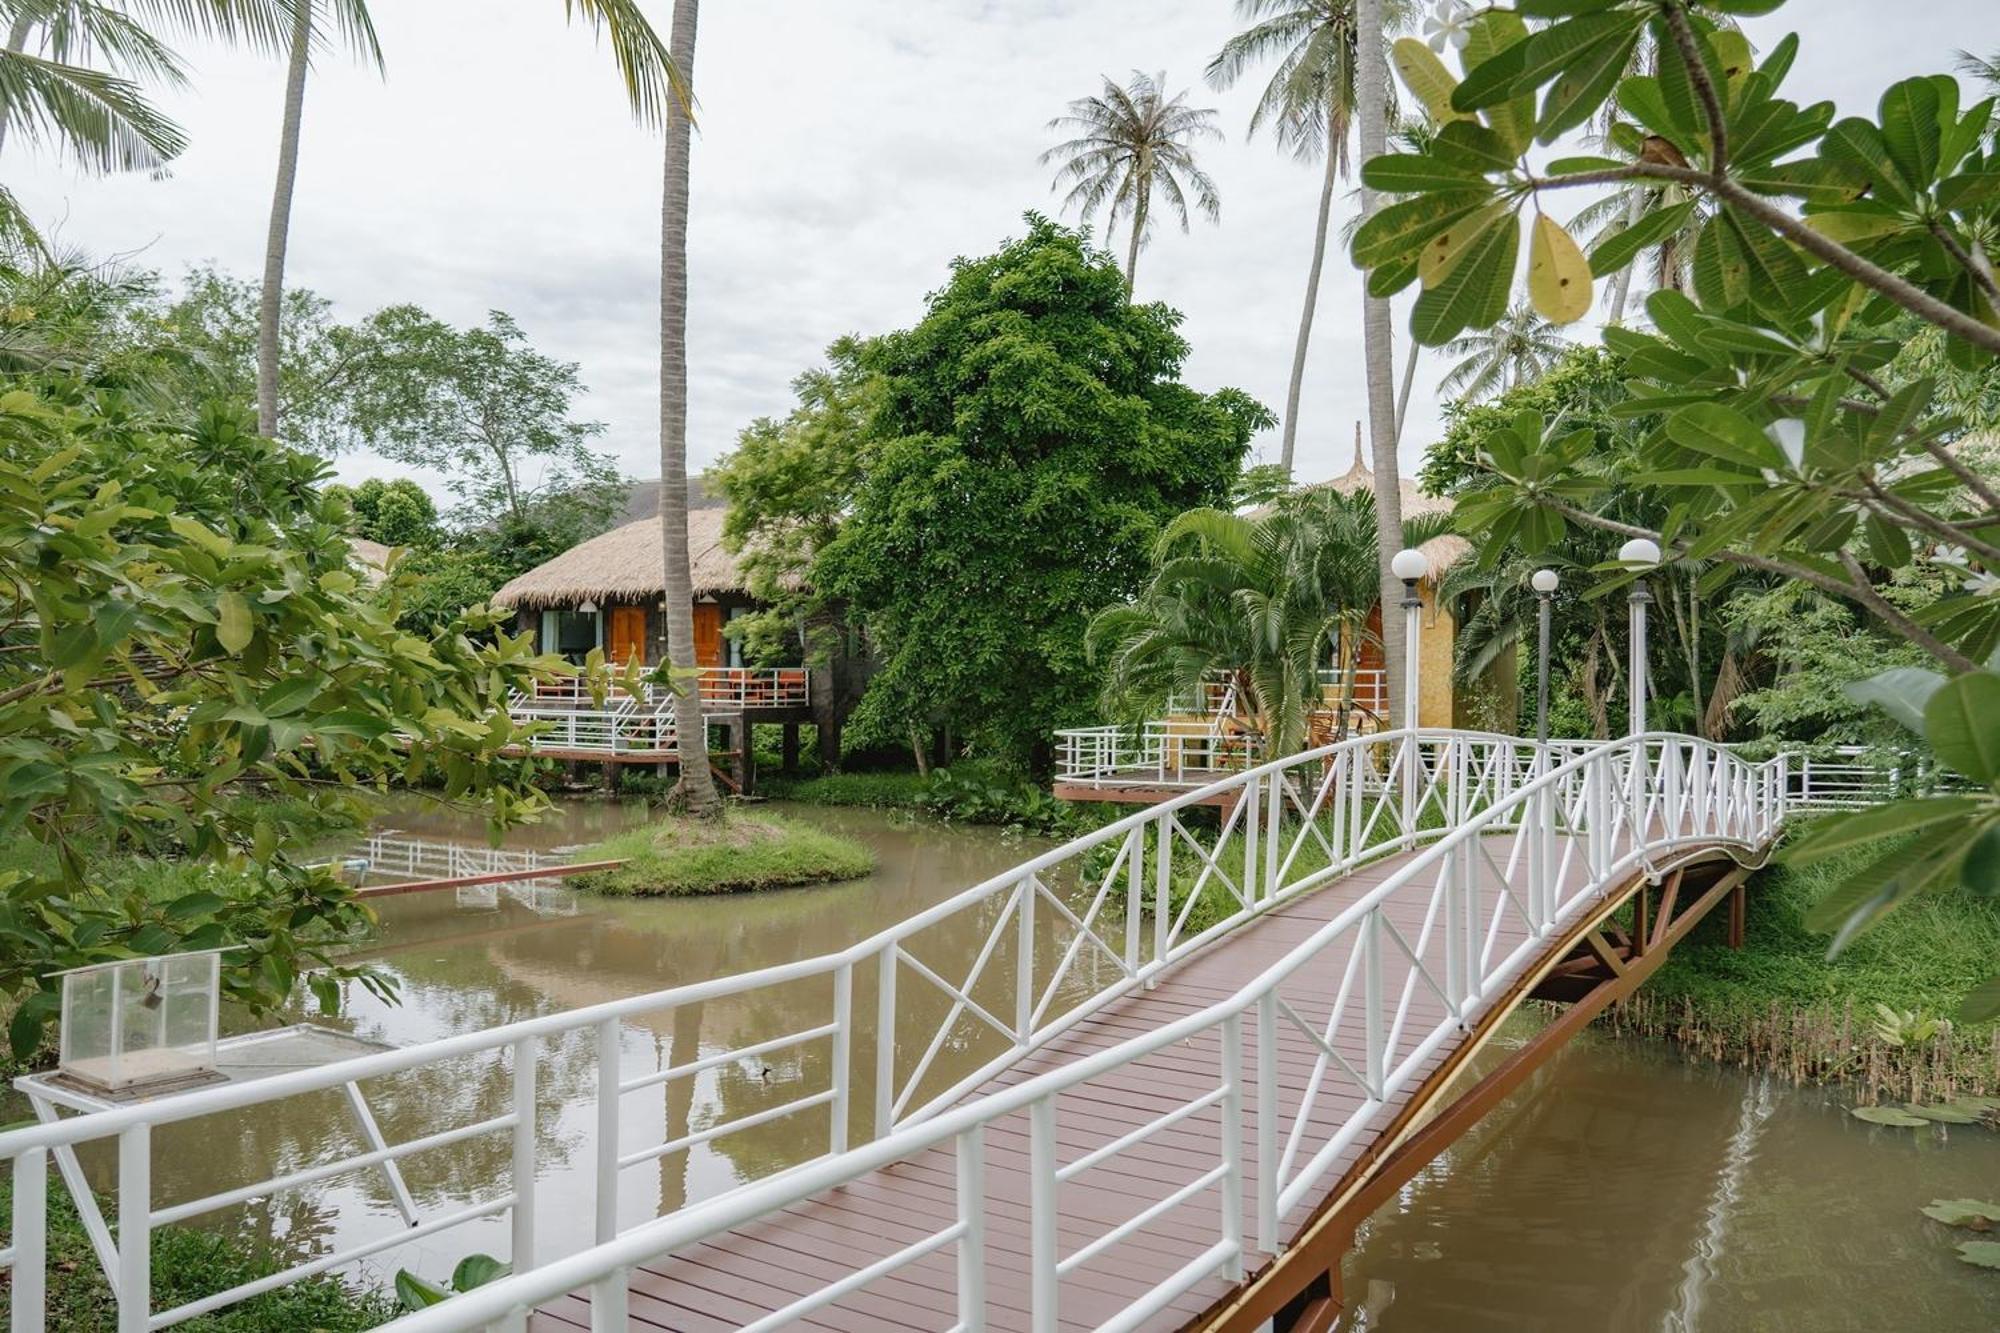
(1788, 445)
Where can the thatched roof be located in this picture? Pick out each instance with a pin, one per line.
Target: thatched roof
(371, 559)
(1443, 551)
(625, 565)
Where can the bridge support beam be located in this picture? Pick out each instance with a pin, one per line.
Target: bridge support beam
(1282, 1296)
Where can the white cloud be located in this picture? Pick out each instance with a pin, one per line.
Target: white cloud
(848, 151)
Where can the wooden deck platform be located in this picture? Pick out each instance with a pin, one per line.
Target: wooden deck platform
(736, 1279)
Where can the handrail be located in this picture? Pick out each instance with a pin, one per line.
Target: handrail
(608, 1262)
(1296, 823)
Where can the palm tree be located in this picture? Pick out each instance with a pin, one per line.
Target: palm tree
(648, 74)
(1516, 351)
(355, 28)
(1131, 142)
(1264, 598)
(1309, 106)
(690, 727)
(1371, 112)
(101, 118)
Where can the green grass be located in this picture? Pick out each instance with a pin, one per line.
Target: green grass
(1778, 1002)
(899, 791)
(740, 851)
(189, 1264)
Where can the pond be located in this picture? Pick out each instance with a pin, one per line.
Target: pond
(1625, 1189)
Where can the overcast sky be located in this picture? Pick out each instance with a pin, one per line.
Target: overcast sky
(848, 150)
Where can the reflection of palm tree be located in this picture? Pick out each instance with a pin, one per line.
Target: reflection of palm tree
(1309, 106)
(1131, 142)
(1515, 351)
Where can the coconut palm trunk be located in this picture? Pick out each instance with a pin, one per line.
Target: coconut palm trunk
(1403, 394)
(1371, 65)
(17, 40)
(270, 304)
(1334, 133)
(1144, 191)
(690, 727)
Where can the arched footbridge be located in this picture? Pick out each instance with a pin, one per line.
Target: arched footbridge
(1179, 1061)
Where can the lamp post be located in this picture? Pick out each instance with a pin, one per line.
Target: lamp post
(1545, 583)
(1645, 553)
(1409, 566)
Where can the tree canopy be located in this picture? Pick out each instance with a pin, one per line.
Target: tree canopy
(1782, 443)
(1031, 438)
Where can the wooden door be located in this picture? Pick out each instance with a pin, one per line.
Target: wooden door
(625, 636)
(708, 634)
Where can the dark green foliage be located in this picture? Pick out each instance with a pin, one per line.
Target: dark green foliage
(189, 1264)
(395, 513)
(1033, 436)
(894, 790)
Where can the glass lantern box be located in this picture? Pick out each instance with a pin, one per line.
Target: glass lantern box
(141, 1022)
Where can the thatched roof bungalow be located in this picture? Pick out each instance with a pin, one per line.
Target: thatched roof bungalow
(606, 592)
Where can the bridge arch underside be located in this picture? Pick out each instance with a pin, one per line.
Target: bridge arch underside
(1123, 1148)
(1599, 960)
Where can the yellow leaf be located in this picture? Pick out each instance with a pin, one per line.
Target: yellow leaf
(1558, 274)
(1425, 75)
(1444, 250)
(233, 628)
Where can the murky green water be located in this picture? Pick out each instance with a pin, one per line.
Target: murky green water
(1625, 1189)
(1628, 1189)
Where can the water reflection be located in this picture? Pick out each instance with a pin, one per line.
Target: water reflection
(1626, 1189)
(463, 969)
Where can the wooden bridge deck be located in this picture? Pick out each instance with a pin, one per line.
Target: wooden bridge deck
(738, 1278)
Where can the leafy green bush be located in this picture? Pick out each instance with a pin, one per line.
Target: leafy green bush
(882, 790)
(679, 857)
(187, 1265)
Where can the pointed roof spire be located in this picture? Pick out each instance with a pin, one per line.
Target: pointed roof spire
(1360, 468)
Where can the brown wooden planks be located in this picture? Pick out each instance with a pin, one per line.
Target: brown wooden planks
(731, 1279)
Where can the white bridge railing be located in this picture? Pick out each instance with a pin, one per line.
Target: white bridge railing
(1063, 935)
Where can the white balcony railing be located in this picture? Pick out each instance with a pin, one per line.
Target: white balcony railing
(1175, 753)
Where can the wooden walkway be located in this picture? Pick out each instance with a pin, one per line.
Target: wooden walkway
(738, 1278)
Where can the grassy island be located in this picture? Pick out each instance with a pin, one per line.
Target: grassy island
(677, 857)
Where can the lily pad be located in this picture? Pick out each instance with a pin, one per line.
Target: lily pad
(1974, 1213)
(1985, 1253)
(1888, 1115)
(1946, 1115)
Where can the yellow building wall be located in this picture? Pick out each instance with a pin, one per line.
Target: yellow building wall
(1435, 697)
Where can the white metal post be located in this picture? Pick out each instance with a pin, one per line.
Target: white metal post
(1135, 895)
(1024, 961)
(1163, 870)
(1042, 1203)
(1232, 1144)
(522, 1257)
(843, 1051)
(135, 1228)
(28, 1278)
(972, 1216)
(1274, 792)
(1252, 812)
(1267, 1121)
(885, 1040)
(608, 1069)
(1371, 1002)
